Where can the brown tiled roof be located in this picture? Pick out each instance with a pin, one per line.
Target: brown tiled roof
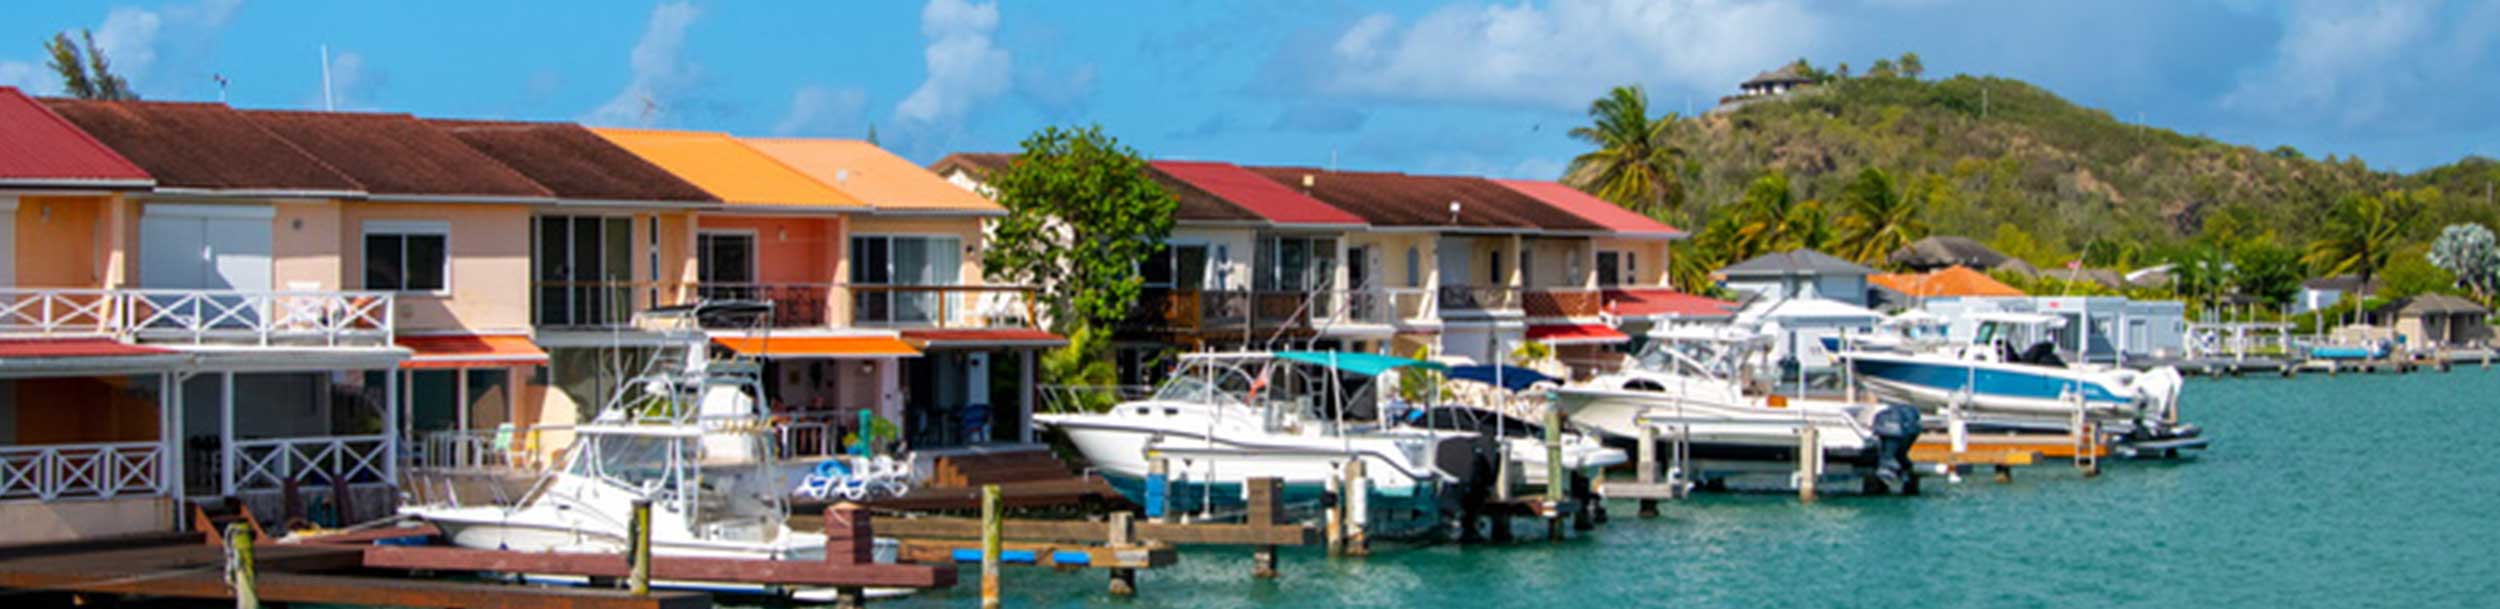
(395, 154)
(572, 162)
(980, 164)
(1397, 199)
(206, 146)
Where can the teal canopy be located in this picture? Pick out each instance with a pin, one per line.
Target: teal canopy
(1365, 364)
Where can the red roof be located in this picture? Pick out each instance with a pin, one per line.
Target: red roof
(1397, 199)
(74, 347)
(999, 337)
(38, 147)
(1615, 218)
(1255, 193)
(1575, 334)
(1662, 302)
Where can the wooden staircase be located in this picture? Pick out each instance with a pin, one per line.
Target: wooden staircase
(974, 470)
(210, 521)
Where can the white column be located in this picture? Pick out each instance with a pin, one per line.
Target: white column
(390, 426)
(1024, 432)
(225, 452)
(169, 432)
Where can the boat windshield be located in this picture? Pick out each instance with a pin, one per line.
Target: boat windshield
(1689, 357)
(1195, 388)
(634, 461)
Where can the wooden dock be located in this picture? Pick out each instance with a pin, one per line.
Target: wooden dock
(182, 566)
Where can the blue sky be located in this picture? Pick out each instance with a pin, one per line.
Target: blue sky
(1460, 87)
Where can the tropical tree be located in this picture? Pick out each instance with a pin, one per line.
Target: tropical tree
(1636, 164)
(2267, 269)
(1083, 367)
(1877, 220)
(1911, 66)
(1082, 214)
(84, 71)
(2467, 250)
(2360, 236)
(1769, 219)
(2201, 275)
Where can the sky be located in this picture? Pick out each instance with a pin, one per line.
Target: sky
(1438, 87)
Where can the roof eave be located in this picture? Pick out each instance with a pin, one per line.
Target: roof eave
(462, 199)
(77, 183)
(253, 193)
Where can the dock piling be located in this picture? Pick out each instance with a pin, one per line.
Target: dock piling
(1122, 534)
(1266, 509)
(1647, 472)
(1358, 510)
(240, 571)
(1556, 480)
(638, 549)
(1809, 461)
(1159, 490)
(990, 546)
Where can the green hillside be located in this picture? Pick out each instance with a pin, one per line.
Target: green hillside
(2003, 161)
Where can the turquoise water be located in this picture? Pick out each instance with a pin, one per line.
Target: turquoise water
(2358, 491)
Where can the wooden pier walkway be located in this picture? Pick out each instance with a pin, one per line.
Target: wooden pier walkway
(181, 566)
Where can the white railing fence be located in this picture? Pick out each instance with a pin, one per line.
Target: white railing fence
(45, 312)
(312, 461)
(59, 471)
(201, 316)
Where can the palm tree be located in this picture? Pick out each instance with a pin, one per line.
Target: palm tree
(2361, 235)
(1878, 219)
(1634, 165)
(1769, 218)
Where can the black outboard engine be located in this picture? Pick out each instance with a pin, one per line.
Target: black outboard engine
(1896, 429)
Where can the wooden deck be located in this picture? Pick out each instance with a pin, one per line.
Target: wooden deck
(185, 567)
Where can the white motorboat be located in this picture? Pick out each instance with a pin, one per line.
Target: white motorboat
(1694, 384)
(1990, 382)
(1223, 419)
(688, 435)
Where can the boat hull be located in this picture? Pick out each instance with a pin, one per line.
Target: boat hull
(2012, 393)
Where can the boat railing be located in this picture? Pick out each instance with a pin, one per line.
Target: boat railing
(48, 472)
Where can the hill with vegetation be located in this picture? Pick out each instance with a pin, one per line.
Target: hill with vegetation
(1856, 164)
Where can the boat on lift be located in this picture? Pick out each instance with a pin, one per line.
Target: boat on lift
(689, 434)
(2010, 376)
(1222, 419)
(1696, 385)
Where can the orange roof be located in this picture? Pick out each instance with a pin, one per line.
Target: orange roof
(1956, 280)
(872, 175)
(844, 347)
(470, 351)
(728, 169)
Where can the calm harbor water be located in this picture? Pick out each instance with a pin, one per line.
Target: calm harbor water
(2358, 491)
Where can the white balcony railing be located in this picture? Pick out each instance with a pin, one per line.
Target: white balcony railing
(201, 316)
(62, 471)
(311, 461)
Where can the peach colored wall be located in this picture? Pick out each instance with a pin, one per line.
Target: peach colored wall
(84, 409)
(967, 229)
(1650, 259)
(490, 265)
(39, 522)
(305, 247)
(60, 241)
(787, 249)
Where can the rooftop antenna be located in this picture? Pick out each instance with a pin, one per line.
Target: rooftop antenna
(328, 103)
(221, 86)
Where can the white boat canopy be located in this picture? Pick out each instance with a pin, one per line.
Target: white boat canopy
(1915, 318)
(2020, 319)
(1808, 313)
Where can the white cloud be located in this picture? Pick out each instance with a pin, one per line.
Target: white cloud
(31, 78)
(131, 37)
(660, 70)
(817, 110)
(965, 64)
(1563, 55)
(2343, 61)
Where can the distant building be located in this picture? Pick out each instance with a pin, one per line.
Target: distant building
(2324, 292)
(2433, 321)
(1800, 273)
(1775, 82)
(1942, 251)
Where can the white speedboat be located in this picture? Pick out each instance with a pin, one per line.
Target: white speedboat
(687, 434)
(1990, 382)
(1223, 419)
(1693, 384)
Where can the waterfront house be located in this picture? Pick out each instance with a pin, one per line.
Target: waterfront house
(1894, 291)
(2323, 292)
(2430, 322)
(911, 264)
(1626, 291)
(1799, 273)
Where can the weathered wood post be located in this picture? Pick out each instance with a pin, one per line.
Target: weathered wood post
(850, 539)
(1358, 510)
(1557, 481)
(1332, 519)
(1266, 510)
(990, 546)
(1647, 472)
(239, 568)
(638, 549)
(1122, 533)
(1809, 461)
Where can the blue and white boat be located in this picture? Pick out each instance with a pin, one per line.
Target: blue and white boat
(1991, 382)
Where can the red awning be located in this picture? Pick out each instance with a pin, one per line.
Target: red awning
(74, 347)
(471, 351)
(983, 337)
(819, 347)
(1661, 302)
(1575, 334)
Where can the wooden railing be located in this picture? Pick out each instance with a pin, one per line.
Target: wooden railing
(59, 471)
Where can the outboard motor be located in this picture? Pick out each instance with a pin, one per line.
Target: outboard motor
(1896, 429)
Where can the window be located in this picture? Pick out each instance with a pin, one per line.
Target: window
(583, 269)
(1414, 267)
(1609, 268)
(407, 256)
(1295, 263)
(1495, 277)
(1527, 268)
(1183, 266)
(880, 260)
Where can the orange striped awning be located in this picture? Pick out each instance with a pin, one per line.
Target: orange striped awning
(818, 347)
(470, 351)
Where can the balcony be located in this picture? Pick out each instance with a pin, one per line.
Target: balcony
(1454, 298)
(1563, 303)
(1194, 311)
(579, 305)
(201, 317)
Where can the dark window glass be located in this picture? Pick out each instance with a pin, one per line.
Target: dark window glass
(424, 263)
(382, 262)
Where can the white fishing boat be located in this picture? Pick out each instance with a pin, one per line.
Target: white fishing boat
(689, 435)
(1223, 419)
(2010, 376)
(1695, 384)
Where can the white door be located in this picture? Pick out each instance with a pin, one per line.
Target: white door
(205, 247)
